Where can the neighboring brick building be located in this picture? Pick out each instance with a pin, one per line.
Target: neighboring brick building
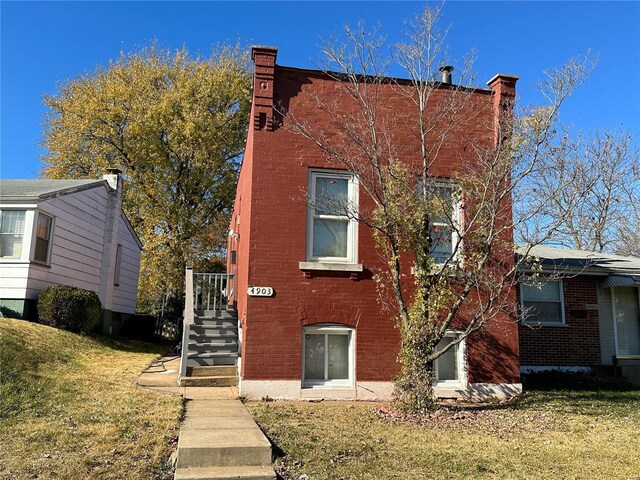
(322, 333)
(589, 317)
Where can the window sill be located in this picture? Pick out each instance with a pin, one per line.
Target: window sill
(448, 384)
(41, 264)
(336, 267)
(24, 262)
(327, 386)
(543, 324)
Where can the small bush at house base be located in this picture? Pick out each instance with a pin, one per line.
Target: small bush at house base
(69, 308)
(578, 381)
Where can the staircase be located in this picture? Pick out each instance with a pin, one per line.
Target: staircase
(210, 332)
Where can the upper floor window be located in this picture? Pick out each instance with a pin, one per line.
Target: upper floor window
(118, 266)
(542, 302)
(11, 233)
(443, 203)
(331, 227)
(43, 238)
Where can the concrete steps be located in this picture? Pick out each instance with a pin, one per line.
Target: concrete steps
(211, 376)
(209, 371)
(225, 473)
(212, 381)
(219, 440)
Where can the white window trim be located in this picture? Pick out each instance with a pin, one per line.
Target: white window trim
(352, 227)
(523, 318)
(461, 364)
(336, 330)
(455, 220)
(456, 217)
(27, 234)
(34, 238)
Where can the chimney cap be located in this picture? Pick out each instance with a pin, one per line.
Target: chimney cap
(503, 76)
(446, 68)
(264, 49)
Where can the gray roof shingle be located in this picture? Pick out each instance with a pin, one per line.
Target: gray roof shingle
(43, 188)
(591, 262)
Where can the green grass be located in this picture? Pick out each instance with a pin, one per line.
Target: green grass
(69, 407)
(549, 434)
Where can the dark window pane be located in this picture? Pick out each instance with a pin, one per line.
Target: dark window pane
(331, 196)
(330, 238)
(541, 292)
(314, 356)
(42, 250)
(338, 357)
(447, 363)
(545, 312)
(441, 243)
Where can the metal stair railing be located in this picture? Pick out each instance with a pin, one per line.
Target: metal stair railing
(212, 291)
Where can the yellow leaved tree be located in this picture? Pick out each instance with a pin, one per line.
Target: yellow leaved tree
(175, 125)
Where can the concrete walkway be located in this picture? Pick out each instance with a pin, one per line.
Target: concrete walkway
(218, 438)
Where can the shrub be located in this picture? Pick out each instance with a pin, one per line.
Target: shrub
(580, 381)
(69, 308)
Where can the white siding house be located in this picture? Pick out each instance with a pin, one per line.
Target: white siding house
(67, 232)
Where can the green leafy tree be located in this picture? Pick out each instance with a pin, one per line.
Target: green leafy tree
(176, 126)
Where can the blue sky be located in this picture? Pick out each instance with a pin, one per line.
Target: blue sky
(44, 43)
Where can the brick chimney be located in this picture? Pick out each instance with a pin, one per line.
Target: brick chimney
(264, 59)
(504, 98)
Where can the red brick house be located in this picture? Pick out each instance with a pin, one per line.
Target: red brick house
(310, 325)
(586, 316)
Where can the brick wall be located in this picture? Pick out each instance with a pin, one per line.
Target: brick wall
(575, 344)
(273, 238)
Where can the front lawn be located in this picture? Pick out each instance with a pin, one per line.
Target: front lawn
(69, 407)
(579, 434)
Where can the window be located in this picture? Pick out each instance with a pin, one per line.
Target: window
(11, 233)
(116, 275)
(542, 302)
(443, 201)
(43, 238)
(327, 356)
(331, 228)
(448, 368)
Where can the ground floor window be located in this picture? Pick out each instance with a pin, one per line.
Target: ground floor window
(449, 367)
(328, 356)
(542, 302)
(12, 223)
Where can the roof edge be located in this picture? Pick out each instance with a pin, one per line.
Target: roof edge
(332, 75)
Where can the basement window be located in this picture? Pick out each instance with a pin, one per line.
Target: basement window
(449, 367)
(328, 356)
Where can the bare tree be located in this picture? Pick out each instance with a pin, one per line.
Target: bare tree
(445, 234)
(602, 169)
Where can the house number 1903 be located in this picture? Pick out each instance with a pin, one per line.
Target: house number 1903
(260, 291)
